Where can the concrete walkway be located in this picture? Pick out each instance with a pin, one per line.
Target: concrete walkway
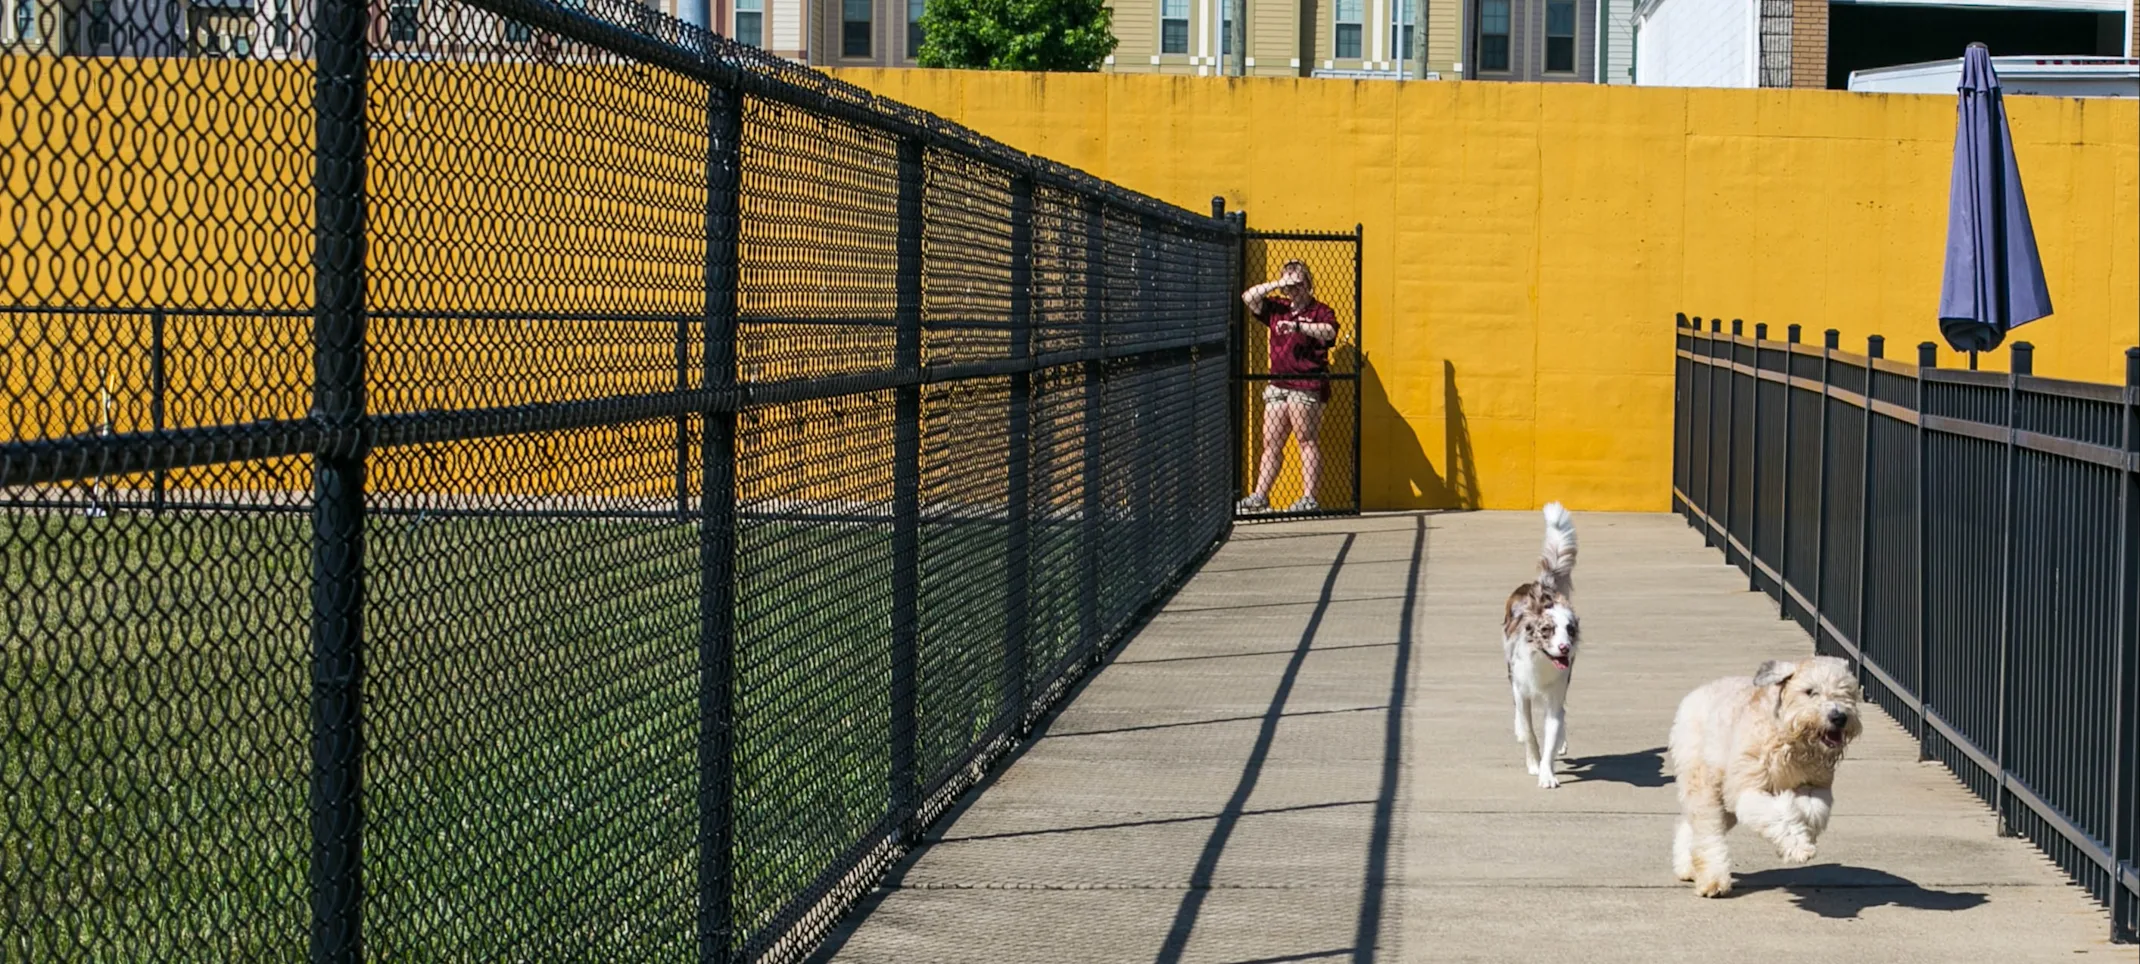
(1307, 757)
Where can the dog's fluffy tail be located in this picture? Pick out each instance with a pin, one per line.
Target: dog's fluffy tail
(1556, 561)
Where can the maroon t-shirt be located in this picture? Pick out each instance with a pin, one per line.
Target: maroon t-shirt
(1297, 352)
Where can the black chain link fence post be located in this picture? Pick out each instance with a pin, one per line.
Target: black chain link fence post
(1018, 498)
(1089, 504)
(1140, 490)
(338, 507)
(906, 492)
(1359, 366)
(717, 531)
(1237, 448)
(159, 387)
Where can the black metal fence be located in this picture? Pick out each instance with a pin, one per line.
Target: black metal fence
(1967, 538)
(581, 490)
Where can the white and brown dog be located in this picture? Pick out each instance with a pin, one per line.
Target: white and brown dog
(1539, 633)
(1762, 750)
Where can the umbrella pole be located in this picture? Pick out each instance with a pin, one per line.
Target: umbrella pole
(1972, 360)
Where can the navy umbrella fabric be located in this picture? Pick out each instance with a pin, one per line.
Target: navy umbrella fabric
(1994, 276)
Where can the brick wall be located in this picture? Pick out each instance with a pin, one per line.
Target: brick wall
(1809, 43)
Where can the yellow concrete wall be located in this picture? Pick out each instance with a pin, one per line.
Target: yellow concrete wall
(1527, 245)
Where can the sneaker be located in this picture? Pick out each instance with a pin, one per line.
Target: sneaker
(1254, 503)
(1306, 504)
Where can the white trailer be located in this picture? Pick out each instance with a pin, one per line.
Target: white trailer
(2047, 76)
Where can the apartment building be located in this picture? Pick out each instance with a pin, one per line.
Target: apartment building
(824, 33)
(1542, 41)
(271, 29)
(1287, 38)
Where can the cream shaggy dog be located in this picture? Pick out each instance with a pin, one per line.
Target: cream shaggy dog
(1539, 633)
(1762, 750)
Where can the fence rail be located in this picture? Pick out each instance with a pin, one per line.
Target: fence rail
(1970, 540)
(597, 506)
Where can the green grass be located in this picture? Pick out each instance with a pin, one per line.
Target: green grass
(531, 709)
(531, 720)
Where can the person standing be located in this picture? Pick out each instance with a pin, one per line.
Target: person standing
(1302, 330)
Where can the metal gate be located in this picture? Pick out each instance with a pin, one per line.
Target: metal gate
(1268, 453)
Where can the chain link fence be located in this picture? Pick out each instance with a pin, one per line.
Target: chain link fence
(500, 479)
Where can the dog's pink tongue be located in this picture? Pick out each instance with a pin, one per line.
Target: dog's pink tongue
(1560, 661)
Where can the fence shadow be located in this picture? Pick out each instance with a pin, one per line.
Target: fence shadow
(1842, 892)
(1192, 902)
(1415, 481)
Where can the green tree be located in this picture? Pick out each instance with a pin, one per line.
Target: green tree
(1016, 34)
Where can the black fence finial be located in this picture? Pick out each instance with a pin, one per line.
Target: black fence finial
(1928, 354)
(2024, 358)
(1831, 339)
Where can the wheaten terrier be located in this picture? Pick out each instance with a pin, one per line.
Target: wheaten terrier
(1762, 750)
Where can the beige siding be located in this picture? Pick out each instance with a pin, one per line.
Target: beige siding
(1136, 26)
(1445, 35)
(1274, 35)
(784, 29)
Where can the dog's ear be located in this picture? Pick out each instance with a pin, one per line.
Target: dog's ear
(1773, 672)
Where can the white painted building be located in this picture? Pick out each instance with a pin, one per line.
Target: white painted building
(1695, 43)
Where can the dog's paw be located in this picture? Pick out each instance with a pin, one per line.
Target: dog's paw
(1717, 886)
(1530, 767)
(1797, 853)
(1683, 872)
(1546, 779)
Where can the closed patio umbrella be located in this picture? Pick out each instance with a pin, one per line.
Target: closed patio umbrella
(1994, 277)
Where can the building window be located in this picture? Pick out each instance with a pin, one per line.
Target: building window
(915, 36)
(1560, 36)
(1493, 34)
(750, 22)
(403, 21)
(221, 32)
(25, 22)
(99, 24)
(854, 27)
(1173, 26)
(279, 25)
(1407, 14)
(1348, 21)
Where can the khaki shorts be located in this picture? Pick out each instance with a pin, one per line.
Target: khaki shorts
(1273, 395)
(1309, 404)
